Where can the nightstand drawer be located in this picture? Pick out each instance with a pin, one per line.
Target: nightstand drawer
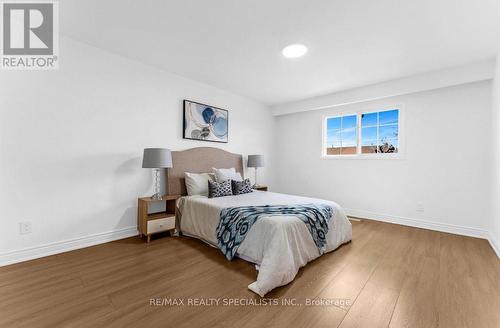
(161, 224)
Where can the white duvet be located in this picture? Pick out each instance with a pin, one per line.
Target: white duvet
(279, 245)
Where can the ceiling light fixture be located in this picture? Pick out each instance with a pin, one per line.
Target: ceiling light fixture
(294, 51)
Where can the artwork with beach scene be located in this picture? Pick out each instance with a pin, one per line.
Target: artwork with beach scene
(205, 122)
(378, 132)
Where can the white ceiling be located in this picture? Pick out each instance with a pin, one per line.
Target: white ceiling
(236, 45)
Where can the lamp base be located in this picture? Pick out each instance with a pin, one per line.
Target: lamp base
(157, 196)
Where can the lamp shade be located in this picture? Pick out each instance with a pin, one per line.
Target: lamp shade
(255, 161)
(156, 158)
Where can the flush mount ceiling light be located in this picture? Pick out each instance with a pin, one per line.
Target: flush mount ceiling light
(294, 51)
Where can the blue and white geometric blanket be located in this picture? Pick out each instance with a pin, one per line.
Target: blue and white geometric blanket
(235, 222)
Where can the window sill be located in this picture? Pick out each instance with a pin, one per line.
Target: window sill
(398, 156)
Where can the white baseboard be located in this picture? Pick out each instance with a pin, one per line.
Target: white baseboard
(424, 224)
(100, 238)
(431, 225)
(64, 246)
(495, 244)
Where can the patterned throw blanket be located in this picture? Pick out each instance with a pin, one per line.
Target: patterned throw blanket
(235, 222)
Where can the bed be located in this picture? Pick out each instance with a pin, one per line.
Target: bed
(277, 245)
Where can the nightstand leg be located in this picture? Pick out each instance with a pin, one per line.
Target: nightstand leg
(149, 238)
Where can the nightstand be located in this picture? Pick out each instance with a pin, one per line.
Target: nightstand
(261, 188)
(151, 223)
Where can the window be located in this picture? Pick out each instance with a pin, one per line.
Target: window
(362, 133)
(341, 135)
(379, 132)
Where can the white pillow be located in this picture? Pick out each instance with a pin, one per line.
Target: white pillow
(197, 183)
(226, 174)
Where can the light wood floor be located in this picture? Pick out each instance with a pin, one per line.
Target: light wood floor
(394, 276)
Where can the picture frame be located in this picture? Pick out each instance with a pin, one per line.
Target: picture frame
(204, 122)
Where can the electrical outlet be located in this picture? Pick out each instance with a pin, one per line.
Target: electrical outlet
(420, 207)
(24, 228)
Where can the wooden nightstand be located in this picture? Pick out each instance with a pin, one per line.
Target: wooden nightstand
(151, 223)
(261, 188)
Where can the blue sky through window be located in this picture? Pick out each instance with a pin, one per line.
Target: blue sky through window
(341, 131)
(369, 136)
(388, 117)
(369, 119)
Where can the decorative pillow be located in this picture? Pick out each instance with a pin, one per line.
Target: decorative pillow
(241, 187)
(197, 183)
(219, 189)
(226, 174)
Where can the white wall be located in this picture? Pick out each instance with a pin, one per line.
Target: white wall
(71, 144)
(472, 72)
(446, 165)
(495, 172)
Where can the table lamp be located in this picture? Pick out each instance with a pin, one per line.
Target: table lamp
(157, 158)
(255, 161)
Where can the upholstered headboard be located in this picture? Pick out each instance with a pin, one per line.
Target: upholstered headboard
(198, 160)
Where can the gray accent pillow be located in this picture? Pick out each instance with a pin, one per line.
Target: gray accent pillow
(219, 189)
(241, 187)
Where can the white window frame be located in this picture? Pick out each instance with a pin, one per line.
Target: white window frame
(358, 113)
